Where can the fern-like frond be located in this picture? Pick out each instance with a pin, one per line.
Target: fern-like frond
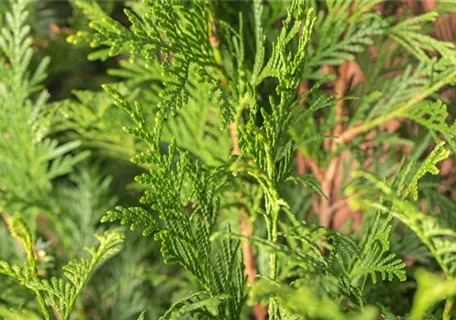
(429, 165)
(284, 64)
(409, 34)
(199, 303)
(58, 293)
(434, 116)
(135, 217)
(184, 197)
(29, 160)
(93, 120)
(375, 256)
(176, 33)
(196, 127)
(352, 31)
(61, 294)
(27, 275)
(439, 239)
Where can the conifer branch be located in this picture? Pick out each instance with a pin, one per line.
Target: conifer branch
(247, 250)
(398, 112)
(229, 121)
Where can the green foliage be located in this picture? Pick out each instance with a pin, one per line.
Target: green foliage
(93, 120)
(290, 300)
(31, 163)
(196, 127)
(29, 159)
(431, 289)
(434, 115)
(58, 293)
(26, 274)
(409, 34)
(439, 239)
(135, 217)
(351, 31)
(173, 183)
(246, 122)
(61, 294)
(437, 155)
(168, 32)
(374, 257)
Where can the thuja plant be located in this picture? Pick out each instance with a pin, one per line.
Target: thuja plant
(281, 82)
(30, 162)
(295, 157)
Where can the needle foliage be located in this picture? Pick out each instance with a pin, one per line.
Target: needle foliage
(234, 160)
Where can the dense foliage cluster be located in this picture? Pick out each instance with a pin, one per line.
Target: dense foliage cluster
(278, 160)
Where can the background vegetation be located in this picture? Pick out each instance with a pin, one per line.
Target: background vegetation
(293, 159)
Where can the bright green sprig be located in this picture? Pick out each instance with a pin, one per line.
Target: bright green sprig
(171, 33)
(184, 195)
(58, 293)
(439, 239)
(29, 158)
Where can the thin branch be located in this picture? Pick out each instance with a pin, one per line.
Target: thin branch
(399, 112)
(250, 271)
(327, 184)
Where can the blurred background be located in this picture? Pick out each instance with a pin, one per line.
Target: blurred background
(137, 279)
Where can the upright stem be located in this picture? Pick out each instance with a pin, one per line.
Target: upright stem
(34, 274)
(250, 271)
(273, 216)
(272, 301)
(273, 255)
(449, 303)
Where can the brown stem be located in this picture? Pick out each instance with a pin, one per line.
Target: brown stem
(315, 169)
(303, 163)
(259, 310)
(330, 175)
(249, 262)
(339, 89)
(350, 134)
(326, 187)
(234, 139)
(300, 163)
